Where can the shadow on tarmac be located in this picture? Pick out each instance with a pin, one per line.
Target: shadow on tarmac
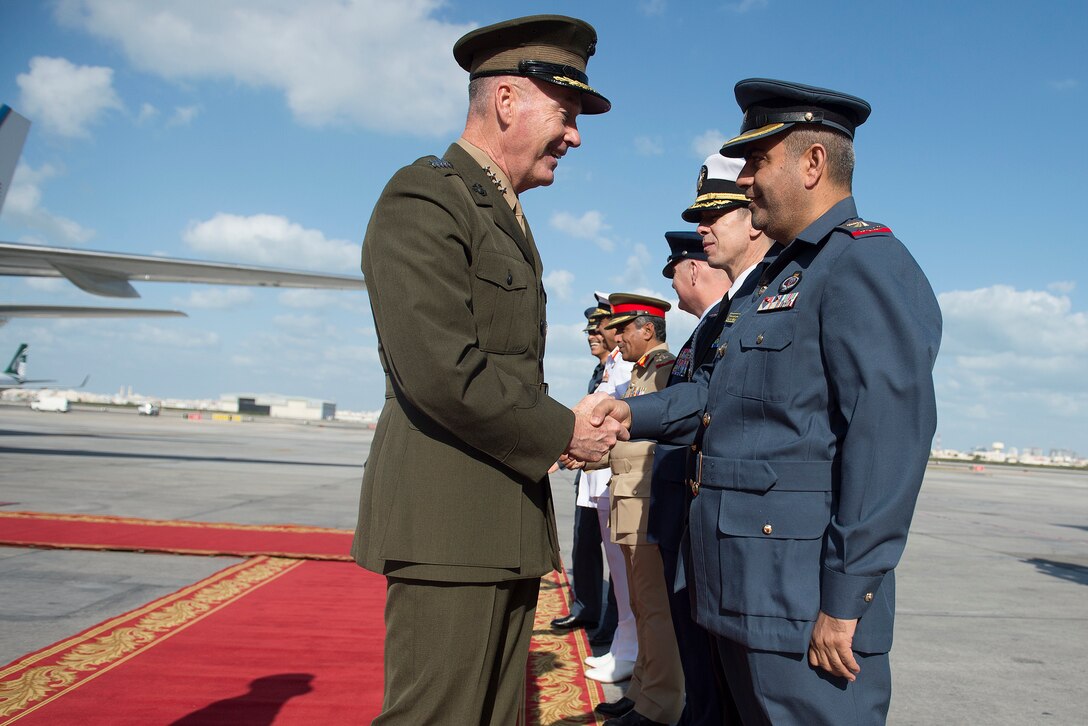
(166, 457)
(1062, 570)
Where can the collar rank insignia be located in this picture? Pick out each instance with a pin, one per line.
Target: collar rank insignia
(732, 318)
(860, 228)
(440, 163)
(494, 179)
(778, 302)
(479, 189)
(789, 283)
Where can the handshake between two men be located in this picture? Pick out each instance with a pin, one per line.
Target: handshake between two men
(599, 422)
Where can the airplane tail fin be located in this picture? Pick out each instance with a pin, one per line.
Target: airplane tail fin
(13, 130)
(17, 368)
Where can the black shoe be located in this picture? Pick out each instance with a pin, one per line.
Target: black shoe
(616, 708)
(633, 718)
(571, 622)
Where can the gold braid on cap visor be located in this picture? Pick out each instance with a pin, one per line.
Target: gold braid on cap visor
(705, 200)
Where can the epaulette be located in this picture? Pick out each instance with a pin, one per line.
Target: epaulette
(857, 228)
(656, 356)
(440, 163)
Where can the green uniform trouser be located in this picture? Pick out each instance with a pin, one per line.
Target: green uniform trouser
(455, 653)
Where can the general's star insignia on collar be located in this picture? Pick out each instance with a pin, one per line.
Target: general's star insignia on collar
(494, 179)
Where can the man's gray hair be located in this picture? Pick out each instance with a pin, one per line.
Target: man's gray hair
(658, 323)
(840, 151)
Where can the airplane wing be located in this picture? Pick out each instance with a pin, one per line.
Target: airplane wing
(109, 273)
(67, 311)
(13, 130)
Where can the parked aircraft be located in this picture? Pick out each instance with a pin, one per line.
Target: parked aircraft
(109, 273)
(14, 376)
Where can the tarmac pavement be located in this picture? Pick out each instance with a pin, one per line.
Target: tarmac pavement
(992, 618)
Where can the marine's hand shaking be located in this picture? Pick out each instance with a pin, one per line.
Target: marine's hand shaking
(593, 437)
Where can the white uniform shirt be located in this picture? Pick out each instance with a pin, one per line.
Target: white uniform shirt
(593, 485)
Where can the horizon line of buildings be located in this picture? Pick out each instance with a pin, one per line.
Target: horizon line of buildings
(277, 405)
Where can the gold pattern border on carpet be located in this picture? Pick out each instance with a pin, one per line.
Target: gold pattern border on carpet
(107, 519)
(30, 683)
(562, 696)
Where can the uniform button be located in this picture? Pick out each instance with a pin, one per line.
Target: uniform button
(759, 338)
(694, 487)
(695, 447)
(762, 289)
(768, 529)
(868, 597)
(706, 419)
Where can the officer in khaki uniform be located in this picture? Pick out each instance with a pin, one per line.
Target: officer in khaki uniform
(456, 510)
(655, 694)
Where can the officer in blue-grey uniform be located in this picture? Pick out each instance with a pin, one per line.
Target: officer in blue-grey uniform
(809, 439)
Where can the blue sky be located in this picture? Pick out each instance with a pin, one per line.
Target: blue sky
(262, 131)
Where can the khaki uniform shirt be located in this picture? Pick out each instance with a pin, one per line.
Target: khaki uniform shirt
(632, 461)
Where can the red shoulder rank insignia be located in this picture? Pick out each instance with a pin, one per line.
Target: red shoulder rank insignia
(861, 228)
(663, 363)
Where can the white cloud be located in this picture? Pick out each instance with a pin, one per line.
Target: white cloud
(646, 146)
(268, 239)
(147, 113)
(215, 298)
(152, 335)
(1064, 84)
(558, 283)
(335, 61)
(746, 5)
(629, 273)
(1062, 287)
(307, 299)
(653, 8)
(24, 207)
(52, 285)
(65, 98)
(184, 115)
(1011, 367)
(590, 226)
(707, 143)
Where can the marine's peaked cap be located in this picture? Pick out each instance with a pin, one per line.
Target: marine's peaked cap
(551, 48)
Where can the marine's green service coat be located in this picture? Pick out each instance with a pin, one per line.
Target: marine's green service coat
(456, 488)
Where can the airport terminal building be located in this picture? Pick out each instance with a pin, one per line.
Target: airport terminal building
(275, 406)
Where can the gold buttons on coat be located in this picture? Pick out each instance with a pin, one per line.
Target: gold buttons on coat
(759, 338)
(868, 597)
(694, 487)
(706, 419)
(768, 529)
(695, 447)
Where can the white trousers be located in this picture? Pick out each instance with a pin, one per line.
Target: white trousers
(625, 639)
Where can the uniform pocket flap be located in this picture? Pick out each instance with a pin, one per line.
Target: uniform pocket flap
(775, 515)
(775, 338)
(506, 272)
(631, 485)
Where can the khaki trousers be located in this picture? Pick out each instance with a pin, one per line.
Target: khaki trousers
(657, 686)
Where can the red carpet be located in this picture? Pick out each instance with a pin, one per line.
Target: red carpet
(270, 640)
(96, 532)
